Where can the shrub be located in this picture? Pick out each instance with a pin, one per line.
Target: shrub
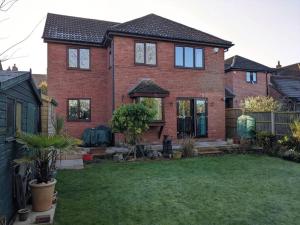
(58, 124)
(266, 140)
(260, 104)
(188, 147)
(132, 120)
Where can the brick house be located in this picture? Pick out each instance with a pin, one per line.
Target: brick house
(95, 66)
(285, 86)
(243, 78)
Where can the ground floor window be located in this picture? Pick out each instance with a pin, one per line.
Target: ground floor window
(155, 104)
(79, 109)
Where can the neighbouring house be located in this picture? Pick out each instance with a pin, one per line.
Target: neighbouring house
(285, 86)
(244, 78)
(19, 110)
(94, 66)
(39, 79)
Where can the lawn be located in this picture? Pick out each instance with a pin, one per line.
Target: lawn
(231, 189)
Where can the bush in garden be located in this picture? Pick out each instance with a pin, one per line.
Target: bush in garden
(260, 104)
(188, 147)
(266, 140)
(132, 120)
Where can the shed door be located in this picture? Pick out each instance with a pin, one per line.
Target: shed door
(31, 118)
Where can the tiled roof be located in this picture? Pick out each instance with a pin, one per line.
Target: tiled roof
(147, 87)
(291, 70)
(240, 63)
(288, 86)
(156, 26)
(75, 29)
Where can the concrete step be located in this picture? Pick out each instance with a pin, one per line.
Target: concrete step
(210, 152)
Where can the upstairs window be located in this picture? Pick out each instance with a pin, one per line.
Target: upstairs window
(251, 77)
(79, 110)
(189, 57)
(79, 58)
(145, 53)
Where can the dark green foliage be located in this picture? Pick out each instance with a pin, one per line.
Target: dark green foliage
(132, 120)
(229, 190)
(42, 151)
(58, 124)
(267, 141)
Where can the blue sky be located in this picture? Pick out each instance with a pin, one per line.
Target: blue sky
(262, 30)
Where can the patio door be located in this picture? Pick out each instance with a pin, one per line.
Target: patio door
(191, 117)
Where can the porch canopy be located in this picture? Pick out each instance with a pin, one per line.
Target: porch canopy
(147, 88)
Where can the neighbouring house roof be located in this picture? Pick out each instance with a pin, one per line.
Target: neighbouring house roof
(39, 78)
(147, 88)
(240, 63)
(9, 79)
(290, 70)
(74, 29)
(287, 86)
(229, 93)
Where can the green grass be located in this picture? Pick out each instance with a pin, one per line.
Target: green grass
(232, 189)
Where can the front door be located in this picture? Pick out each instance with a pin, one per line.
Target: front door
(191, 117)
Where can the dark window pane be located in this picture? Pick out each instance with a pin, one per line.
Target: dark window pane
(10, 117)
(150, 53)
(18, 117)
(72, 56)
(84, 111)
(199, 57)
(73, 109)
(84, 58)
(179, 56)
(139, 53)
(188, 57)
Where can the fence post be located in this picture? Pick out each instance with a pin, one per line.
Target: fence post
(273, 122)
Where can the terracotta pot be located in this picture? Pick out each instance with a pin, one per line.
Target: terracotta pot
(177, 155)
(42, 195)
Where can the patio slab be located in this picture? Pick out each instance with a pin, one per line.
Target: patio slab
(32, 216)
(70, 164)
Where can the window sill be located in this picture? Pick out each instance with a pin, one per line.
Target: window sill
(189, 68)
(144, 64)
(78, 69)
(157, 123)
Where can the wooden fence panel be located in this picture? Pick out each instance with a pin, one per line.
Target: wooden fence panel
(280, 121)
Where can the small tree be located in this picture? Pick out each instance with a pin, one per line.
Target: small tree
(260, 104)
(132, 120)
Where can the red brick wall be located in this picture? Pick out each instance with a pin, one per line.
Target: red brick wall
(208, 83)
(94, 84)
(242, 89)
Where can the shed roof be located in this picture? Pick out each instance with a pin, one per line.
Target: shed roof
(240, 63)
(9, 79)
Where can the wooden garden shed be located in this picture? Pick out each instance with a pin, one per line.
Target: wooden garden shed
(19, 111)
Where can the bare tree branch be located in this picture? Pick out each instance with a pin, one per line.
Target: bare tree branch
(6, 5)
(16, 44)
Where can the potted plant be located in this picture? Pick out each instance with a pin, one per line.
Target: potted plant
(43, 151)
